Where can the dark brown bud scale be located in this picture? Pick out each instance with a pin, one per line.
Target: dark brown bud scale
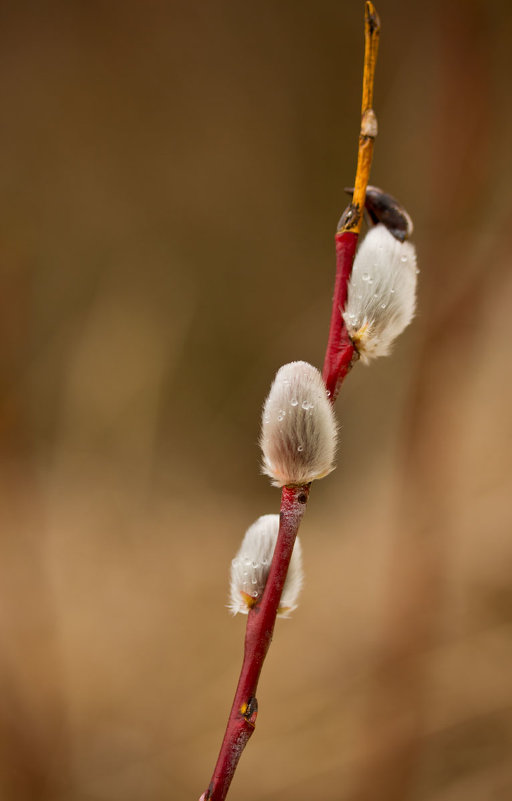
(380, 207)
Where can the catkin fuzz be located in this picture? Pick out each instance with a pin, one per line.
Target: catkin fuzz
(298, 432)
(381, 296)
(251, 566)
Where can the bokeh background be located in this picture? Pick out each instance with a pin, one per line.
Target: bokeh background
(171, 178)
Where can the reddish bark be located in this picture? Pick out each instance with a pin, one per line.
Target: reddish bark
(260, 627)
(340, 350)
(339, 357)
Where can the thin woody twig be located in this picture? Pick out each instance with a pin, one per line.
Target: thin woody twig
(368, 118)
(260, 627)
(340, 353)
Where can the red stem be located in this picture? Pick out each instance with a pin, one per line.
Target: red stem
(340, 350)
(262, 617)
(339, 358)
(258, 636)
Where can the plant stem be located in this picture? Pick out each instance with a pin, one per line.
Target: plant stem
(338, 360)
(340, 353)
(340, 349)
(258, 636)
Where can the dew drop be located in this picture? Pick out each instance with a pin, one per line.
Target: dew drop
(328, 393)
(417, 272)
(254, 581)
(370, 280)
(392, 291)
(300, 448)
(383, 305)
(294, 402)
(281, 415)
(254, 564)
(403, 259)
(365, 276)
(305, 405)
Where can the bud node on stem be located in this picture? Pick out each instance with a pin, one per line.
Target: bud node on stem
(369, 126)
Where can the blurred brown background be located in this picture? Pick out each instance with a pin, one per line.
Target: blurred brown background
(172, 174)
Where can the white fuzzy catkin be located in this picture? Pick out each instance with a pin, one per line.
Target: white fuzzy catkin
(298, 431)
(381, 293)
(251, 566)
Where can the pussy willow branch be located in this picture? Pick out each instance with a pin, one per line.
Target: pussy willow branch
(260, 627)
(340, 353)
(338, 360)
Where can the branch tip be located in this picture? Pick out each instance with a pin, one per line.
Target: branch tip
(368, 131)
(371, 17)
(371, 38)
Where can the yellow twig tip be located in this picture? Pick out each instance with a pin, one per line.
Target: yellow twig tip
(371, 17)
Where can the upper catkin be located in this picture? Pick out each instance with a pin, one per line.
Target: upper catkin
(381, 293)
(298, 431)
(251, 566)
